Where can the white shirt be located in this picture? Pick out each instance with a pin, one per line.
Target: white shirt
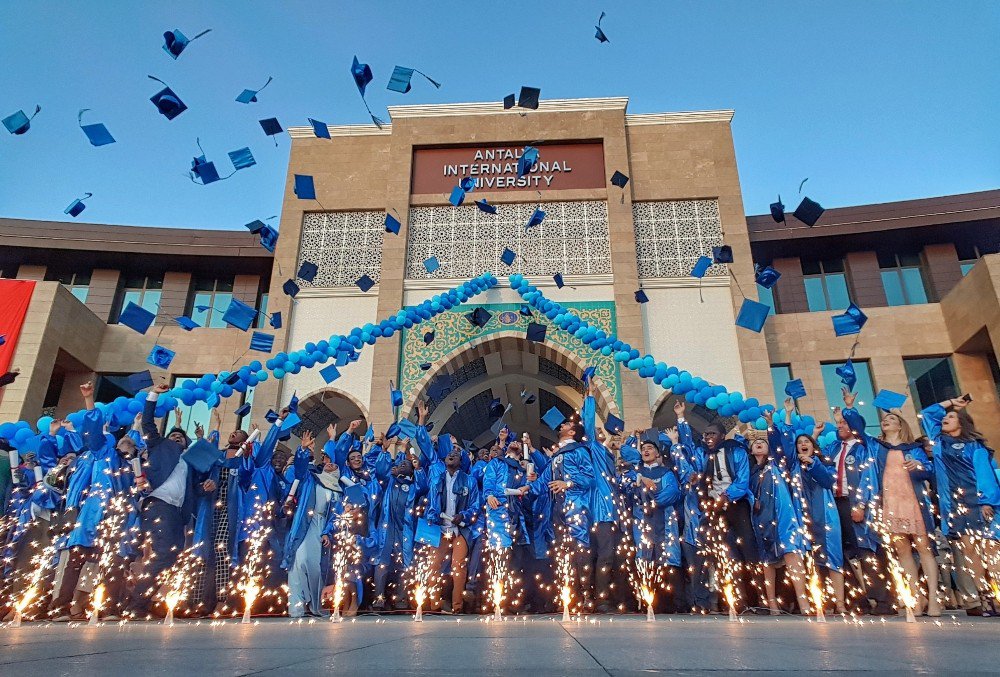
(844, 488)
(450, 500)
(721, 479)
(172, 491)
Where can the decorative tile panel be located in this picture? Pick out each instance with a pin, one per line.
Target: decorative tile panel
(572, 240)
(345, 246)
(670, 236)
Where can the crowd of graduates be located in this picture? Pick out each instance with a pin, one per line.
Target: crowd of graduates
(140, 520)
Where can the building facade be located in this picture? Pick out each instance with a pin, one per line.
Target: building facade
(921, 269)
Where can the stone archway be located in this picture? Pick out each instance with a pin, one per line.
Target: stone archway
(697, 415)
(324, 406)
(501, 365)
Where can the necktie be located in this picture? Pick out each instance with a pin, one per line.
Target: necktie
(840, 469)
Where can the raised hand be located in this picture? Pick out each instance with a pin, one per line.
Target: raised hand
(354, 425)
(331, 431)
(789, 405)
(675, 437)
(87, 390)
(679, 407)
(308, 440)
(849, 397)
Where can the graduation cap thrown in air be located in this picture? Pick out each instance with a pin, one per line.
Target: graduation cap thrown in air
(320, 129)
(275, 320)
(97, 133)
(330, 373)
(847, 374)
(431, 264)
(308, 271)
(457, 196)
(268, 238)
(795, 389)
(290, 288)
(399, 81)
(362, 74)
(509, 101)
(536, 219)
(526, 310)
(640, 296)
(528, 98)
(392, 224)
(262, 342)
(527, 161)
(160, 357)
(722, 254)
(175, 42)
(850, 322)
(553, 418)
(202, 455)
(242, 158)
(243, 410)
(808, 212)
(614, 425)
(601, 37)
(136, 317)
(479, 317)
(429, 337)
(588, 374)
(486, 207)
(887, 400)
(167, 102)
(186, 323)
(559, 280)
(767, 277)
(527, 398)
(250, 95)
(138, 381)
(239, 315)
(395, 395)
(508, 256)
(365, 283)
(778, 211)
(701, 267)
(439, 388)
(18, 123)
(536, 332)
(76, 206)
(752, 315)
(304, 188)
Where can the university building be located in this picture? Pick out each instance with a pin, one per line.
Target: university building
(923, 271)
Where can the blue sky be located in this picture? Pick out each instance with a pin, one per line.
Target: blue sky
(871, 100)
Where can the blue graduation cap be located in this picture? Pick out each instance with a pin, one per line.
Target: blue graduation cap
(255, 226)
(18, 123)
(138, 381)
(508, 256)
(239, 315)
(202, 455)
(795, 389)
(290, 288)
(701, 267)
(268, 238)
(204, 170)
(457, 196)
(722, 254)
(887, 400)
(429, 337)
(526, 310)
(400, 79)
(767, 277)
(601, 37)
(242, 158)
(587, 374)
(640, 296)
(485, 206)
(343, 358)
(174, 42)
(496, 407)
(850, 322)
(536, 219)
(395, 396)
(250, 95)
(271, 416)
(431, 264)
(364, 283)
(97, 133)
(167, 102)
(329, 373)
(304, 189)
(424, 366)
(243, 410)
(778, 211)
(808, 212)
(439, 387)
(160, 357)
(392, 224)
(535, 332)
(752, 315)
(262, 342)
(320, 129)
(275, 320)
(614, 425)
(559, 280)
(308, 271)
(136, 317)
(619, 179)
(362, 74)
(528, 160)
(76, 206)
(553, 418)
(290, 421)
(847, 374)
(528, 97)
(468, 184)
(479, 317)
(392, 431)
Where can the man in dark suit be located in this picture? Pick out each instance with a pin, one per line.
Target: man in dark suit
(166, 504)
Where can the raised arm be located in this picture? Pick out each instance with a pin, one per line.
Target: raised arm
(150, 431)
(588, 414)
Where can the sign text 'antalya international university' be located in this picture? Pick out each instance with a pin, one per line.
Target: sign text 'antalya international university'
(559, 167)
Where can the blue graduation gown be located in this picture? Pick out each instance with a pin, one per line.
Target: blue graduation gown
(398, 518)
(467, 501)
(654, 516)
(505, 521)
(572, 507)
(862, 477)
(602, 500)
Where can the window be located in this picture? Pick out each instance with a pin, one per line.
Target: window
(210, 298)
(199, 412)
(931, 380)
(766, 297)
(826, 284)
(968, 254)
(142, 290)
(8, 271)
(864, 389)
(262, 321)
(78, 284)
(780, 375)
(903, 279)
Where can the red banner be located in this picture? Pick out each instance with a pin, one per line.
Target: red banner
(15, 296)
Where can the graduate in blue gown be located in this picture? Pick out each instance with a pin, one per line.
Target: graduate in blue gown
(968, 492)
(782, 537)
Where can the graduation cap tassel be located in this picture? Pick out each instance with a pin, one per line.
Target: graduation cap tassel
(429, 78)
(269, 78)
(38, 109)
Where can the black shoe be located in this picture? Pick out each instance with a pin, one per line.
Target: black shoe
(883, 609)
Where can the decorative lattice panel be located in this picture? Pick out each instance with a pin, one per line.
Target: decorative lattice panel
(345, 246)
(670, 236)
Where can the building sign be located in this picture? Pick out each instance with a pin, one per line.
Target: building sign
(560, 167)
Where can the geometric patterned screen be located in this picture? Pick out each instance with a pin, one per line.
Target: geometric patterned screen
(670, 236)
(345, 246)
(572, 240)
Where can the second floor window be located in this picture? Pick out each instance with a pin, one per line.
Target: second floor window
(210, 299)
(826, 284)
(78, 284)
(142, 290)
(262, 319)
(903, 279)
(968, 254)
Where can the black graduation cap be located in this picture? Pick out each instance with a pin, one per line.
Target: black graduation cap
(559, 280)
(167, 101)
(527, 398)
(723, 254)
(308, 270)
(439, 387)
(778, 211)
(808, 212)
(250, 95)
(275, 320)
(268, 238)
(496, 407)
(509, 101)
(425, 366)
(536, 332)
(8, 378)
(233, 379)
(365, 283)
(290, 288)
(601, 37)
(528, 98)
(174, 42)
(271, 127)
(619, 179)
(429, 337)
(320, 129)
(243, 410)
(479, 317)
(640, 296)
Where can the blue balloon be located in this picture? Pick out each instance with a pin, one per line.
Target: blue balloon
(22, 436)
(279, 373)
(189, 384)
(760, 424)
(752, 402)
(227, 391)
(205, 381)
(725, 410)
(606, 351)
(7, 430)
(711, 403)
(753, 413)
(134, 407)
(187, 397)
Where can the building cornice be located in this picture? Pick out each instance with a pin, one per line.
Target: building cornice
(684, 117)
(683, 282)
(548, 281)
(496, 108)
(341, 130)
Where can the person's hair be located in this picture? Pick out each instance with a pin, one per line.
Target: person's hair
(718, 427)
(969, 431)
(905, 432)
(817, 452)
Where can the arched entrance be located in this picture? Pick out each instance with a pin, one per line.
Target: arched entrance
(697, 415)
(326, 406)
(502, 366)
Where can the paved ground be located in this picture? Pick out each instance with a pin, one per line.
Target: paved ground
(470, 646)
